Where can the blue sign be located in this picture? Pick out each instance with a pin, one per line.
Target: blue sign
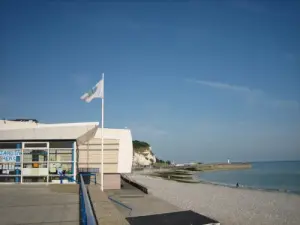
(10, 155)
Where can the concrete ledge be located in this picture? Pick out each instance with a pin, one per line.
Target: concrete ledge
(135, 184)
(105, 211)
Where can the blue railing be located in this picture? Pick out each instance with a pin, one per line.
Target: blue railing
(71, 179)
(90, 175)
(121, 204)
(86, 211)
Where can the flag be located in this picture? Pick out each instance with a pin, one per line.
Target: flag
(95, 92)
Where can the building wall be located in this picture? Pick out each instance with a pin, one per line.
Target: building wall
(117, 155)
(111, 181)
(108, 168)
(118, 149)
(125, 152)
(90, 155)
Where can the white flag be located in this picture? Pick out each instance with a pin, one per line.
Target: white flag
(95, 92)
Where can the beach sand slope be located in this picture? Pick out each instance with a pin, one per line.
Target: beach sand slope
(227, 205)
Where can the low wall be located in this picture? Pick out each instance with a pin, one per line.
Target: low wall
(105, 211)
(232, 166)
(134, 184)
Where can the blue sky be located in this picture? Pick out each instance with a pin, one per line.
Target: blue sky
(198, 80)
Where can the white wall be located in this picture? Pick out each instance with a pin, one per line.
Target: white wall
(125, 147)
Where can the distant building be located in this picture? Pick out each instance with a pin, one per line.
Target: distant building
(179, 165)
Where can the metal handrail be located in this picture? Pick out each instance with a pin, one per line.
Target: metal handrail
(121, 204)
(88, 215)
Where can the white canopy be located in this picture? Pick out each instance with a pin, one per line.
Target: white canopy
(81, 132)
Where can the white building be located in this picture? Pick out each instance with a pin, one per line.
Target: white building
(35, 152)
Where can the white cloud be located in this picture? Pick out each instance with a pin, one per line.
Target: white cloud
(252, 94)
(220, 85)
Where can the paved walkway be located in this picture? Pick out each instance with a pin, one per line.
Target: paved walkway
(105, 211)
(141, 203)
(150, 210)
(39, 204)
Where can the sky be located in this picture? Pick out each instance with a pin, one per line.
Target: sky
(198, 80)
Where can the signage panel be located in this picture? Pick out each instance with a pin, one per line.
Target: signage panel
(10, 155)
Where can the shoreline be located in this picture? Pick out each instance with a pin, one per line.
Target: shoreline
(196, 176)
(226, 204)
(242, 187)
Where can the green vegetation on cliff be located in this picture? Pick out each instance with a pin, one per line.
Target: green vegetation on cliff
(140, 147)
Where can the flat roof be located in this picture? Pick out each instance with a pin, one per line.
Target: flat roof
(63, 131)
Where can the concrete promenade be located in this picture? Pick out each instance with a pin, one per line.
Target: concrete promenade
(146, 209)
(142, 204)
(39, 204)
(58, 204)
(105, 211)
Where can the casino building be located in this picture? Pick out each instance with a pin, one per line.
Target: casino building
(33, 152)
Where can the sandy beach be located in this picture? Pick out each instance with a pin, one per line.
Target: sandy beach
(227, 205)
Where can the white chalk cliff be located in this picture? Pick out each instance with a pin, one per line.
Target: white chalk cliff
(144, 158)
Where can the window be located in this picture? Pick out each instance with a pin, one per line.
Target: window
(61, 144)
(90, 170)
(9, 145)
(60, 155)
(35, 145)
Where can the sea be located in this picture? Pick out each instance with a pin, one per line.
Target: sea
(281, 176)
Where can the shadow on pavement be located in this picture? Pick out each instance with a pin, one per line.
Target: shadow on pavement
(175, 218)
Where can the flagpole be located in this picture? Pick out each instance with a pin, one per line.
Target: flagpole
(102, 126)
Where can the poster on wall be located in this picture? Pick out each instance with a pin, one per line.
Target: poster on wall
(10, 155)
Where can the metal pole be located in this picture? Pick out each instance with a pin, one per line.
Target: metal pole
(102, 126)
(48, 165)
(22, 161)
(74, 158)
